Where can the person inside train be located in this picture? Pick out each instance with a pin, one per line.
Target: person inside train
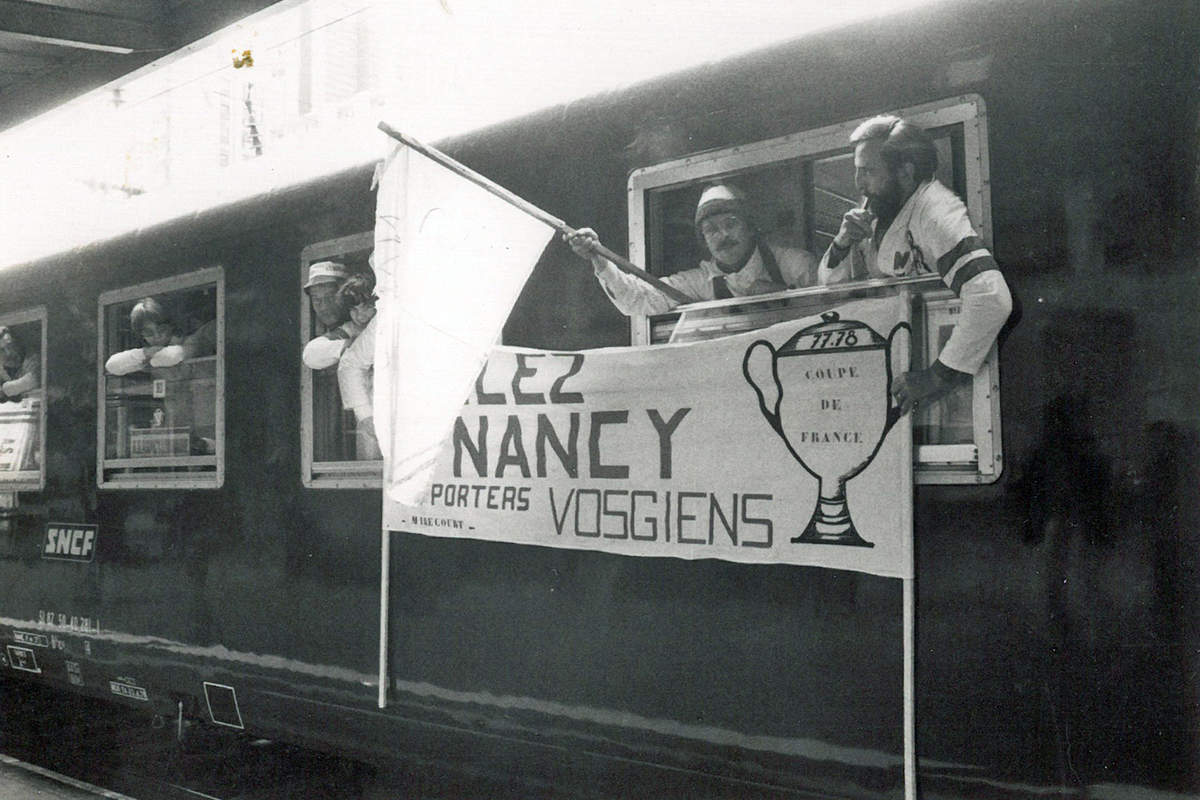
(325, 279)
(165, 346)
(911, 224)
(356, 366)
(742, 261)
(19, 368)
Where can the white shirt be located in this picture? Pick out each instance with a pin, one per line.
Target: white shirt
(322, 352)
(356, 372)
(632, 295)
(933, 234)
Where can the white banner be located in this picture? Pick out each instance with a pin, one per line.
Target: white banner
(776, 446)
(450, 260)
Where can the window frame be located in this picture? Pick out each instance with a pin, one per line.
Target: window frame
(328, 474)
(26, 481)
(979, 462)
(207, 276)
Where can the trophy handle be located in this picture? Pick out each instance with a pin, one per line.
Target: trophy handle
(755, 364)
(894, 412)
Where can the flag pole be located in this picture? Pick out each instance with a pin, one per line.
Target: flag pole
(529, 208)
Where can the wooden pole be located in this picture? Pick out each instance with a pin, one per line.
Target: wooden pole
(529, 208)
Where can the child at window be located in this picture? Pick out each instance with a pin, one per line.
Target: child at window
(164, 347)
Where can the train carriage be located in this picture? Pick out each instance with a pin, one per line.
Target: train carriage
(202, 540)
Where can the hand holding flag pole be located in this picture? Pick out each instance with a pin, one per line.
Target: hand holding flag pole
(529, 208)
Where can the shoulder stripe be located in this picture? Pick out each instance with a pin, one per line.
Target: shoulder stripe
(967, 245)
(949, 276)
(976, 265)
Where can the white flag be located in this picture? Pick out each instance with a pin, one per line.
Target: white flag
(450, 260)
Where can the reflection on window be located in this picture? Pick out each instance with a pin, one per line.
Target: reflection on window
(338, 364)
(21, 401)
(161, 380)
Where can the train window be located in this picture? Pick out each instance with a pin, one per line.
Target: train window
(339, 449)
(798, 188)
(161, 384)
(22, 400)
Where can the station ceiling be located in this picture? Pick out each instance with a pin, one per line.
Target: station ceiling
(52, 51)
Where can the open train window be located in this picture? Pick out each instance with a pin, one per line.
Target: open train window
(339, 449)
(799, 186)
(161, 384)
(23, 400)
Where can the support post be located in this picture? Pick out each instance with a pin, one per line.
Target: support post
(385, 549)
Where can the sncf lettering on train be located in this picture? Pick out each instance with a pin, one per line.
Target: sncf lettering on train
(68, 541)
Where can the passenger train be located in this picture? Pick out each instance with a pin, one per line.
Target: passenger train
(201, 539)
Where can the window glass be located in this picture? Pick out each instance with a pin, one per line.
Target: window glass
(797, 202)
(340, 449)
(22, 404)
(161, 378)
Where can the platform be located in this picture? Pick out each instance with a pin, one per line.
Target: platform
(20, 779)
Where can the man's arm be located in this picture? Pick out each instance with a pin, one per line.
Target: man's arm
(203, 342)
(986, 304)
(968, 268)
(24, 382)
(629, 294)
(325, 350)
(128, 361)
(837, 264)
(354, 374)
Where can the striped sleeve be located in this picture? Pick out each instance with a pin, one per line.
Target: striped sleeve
(968, 268)
(964, 261)
(986, 304)
(945, 232)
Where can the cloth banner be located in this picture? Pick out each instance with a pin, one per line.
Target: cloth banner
(776, 446)
(450, 260)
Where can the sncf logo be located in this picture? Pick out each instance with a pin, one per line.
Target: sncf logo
(70, 541)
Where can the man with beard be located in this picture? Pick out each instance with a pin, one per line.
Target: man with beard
(911, 224)
(742, 261)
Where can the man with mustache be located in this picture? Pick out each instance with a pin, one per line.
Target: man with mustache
(914, 225)
(742, 262)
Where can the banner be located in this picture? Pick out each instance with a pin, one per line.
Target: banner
(777, 446)
(450, 260)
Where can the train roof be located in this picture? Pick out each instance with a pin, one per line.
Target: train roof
(699, 108)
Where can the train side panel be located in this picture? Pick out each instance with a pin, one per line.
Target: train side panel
(1056, 650)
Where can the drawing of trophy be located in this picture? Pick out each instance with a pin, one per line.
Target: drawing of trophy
(826, 392)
